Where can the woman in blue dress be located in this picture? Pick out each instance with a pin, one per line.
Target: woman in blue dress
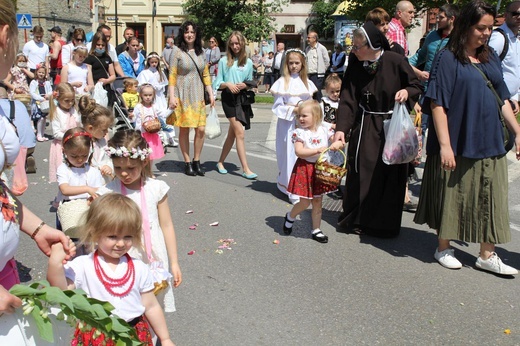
(464, 190)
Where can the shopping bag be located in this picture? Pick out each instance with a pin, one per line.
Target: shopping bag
(401, 143)
(212, 124)
(19, 183)
(100, 95)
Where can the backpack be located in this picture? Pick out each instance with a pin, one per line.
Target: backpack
(506, 43)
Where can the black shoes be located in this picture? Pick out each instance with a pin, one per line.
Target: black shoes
(320, 237)
(188, 170)
(287, 230)
(197, 168)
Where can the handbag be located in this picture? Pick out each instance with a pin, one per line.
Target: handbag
(401, 143)
(71, 215)
(213, 129)
(207, 99)
(44, 106)
(150, 124)
(508, 142)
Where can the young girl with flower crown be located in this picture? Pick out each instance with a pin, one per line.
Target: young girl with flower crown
(310, 139)
(110, 274)
(41, 91)
(290, 89)
(96, 120)
(144, 111)
(130, 155)
(63, 117)
(77, 179)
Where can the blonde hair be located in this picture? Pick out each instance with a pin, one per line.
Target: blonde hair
(242, 55)
(60, 91)
(132, 139)
(332, 78)
(315, 110)
(92, 113)
(147, 85)
(129, 81)
(303, 71)
(101, 220)
(8, 17)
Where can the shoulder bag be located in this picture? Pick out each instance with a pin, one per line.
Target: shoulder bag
(508, 143)
(207, 99)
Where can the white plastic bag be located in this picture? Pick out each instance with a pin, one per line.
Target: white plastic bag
(212, 124)
(100, 95)
(401, 144)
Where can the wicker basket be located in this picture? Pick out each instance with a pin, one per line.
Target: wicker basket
(152, 126)
(71, 215)
(327, 173)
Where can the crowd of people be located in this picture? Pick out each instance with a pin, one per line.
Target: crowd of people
(465, 84)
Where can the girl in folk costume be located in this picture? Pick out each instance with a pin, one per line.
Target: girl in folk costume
(63, 117)
(77, 179)
(109, 273)
(288, 90)
(146, 111)
(310, 140)
(153, 74)
(96, 120)
(130, 156)
(77, 73)
(41, 92)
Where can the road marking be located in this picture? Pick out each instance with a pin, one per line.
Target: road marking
(514, 227)
(264, 157)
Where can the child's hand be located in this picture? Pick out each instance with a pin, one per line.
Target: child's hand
(92, 191)
(168, 342)
(321, 149)
(58, 254)
(106, 170)
(131, 115)
(336, 146)
(177, 275)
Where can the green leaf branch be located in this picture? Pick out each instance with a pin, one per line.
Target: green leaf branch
(75, 309)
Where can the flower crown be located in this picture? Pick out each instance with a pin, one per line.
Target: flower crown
(134, 153)
(296, 50)
(153, 56)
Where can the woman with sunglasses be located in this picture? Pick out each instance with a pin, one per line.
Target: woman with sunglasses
(212, 57)
(376, 78)
(78, 38)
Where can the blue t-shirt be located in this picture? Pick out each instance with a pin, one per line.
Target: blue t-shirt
(22, 121)
(471, 107)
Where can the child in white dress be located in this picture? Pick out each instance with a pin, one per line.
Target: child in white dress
(144, 111)
(41, 92)
(96, 120)
(130, 155)
(310, 140)
(110, 274)
(77, 73)
(288, 90)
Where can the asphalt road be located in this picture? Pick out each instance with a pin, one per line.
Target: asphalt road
(352, 291)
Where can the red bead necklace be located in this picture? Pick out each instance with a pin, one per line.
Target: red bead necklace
(110, 283)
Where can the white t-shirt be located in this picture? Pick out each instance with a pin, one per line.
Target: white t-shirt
(35, 53)
(74, 176)
(81, 271)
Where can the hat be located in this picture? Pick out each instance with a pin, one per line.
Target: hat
(56, 29)
(375, 38)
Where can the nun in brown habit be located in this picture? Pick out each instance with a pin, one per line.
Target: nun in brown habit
(375, 79)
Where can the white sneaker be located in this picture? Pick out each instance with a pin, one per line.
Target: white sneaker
(447, 259)
(495, 265)
(173, 142)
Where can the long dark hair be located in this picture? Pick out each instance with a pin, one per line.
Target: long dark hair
(179, 40)
(469, 15)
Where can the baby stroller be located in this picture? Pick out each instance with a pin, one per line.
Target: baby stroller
(167, 133)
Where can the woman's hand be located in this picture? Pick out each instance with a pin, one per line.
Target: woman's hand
(517, 145)
(337, 145)
(447, 159)
(49, 236)
(173, 103)
(339, 136)
(401, 96)
(234, 88)
(8, 302)
(102, 81)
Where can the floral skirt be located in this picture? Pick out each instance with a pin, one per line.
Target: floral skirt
(87, 338)
(303, 181)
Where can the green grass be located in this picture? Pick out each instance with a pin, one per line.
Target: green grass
(261, 98)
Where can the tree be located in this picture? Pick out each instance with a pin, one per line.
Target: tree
(321, 19)
(220, 17)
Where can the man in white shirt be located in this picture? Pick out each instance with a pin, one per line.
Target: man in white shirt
(36, 51)
(509, 51)
(105, 29)
(279, 58)
(318, 61)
